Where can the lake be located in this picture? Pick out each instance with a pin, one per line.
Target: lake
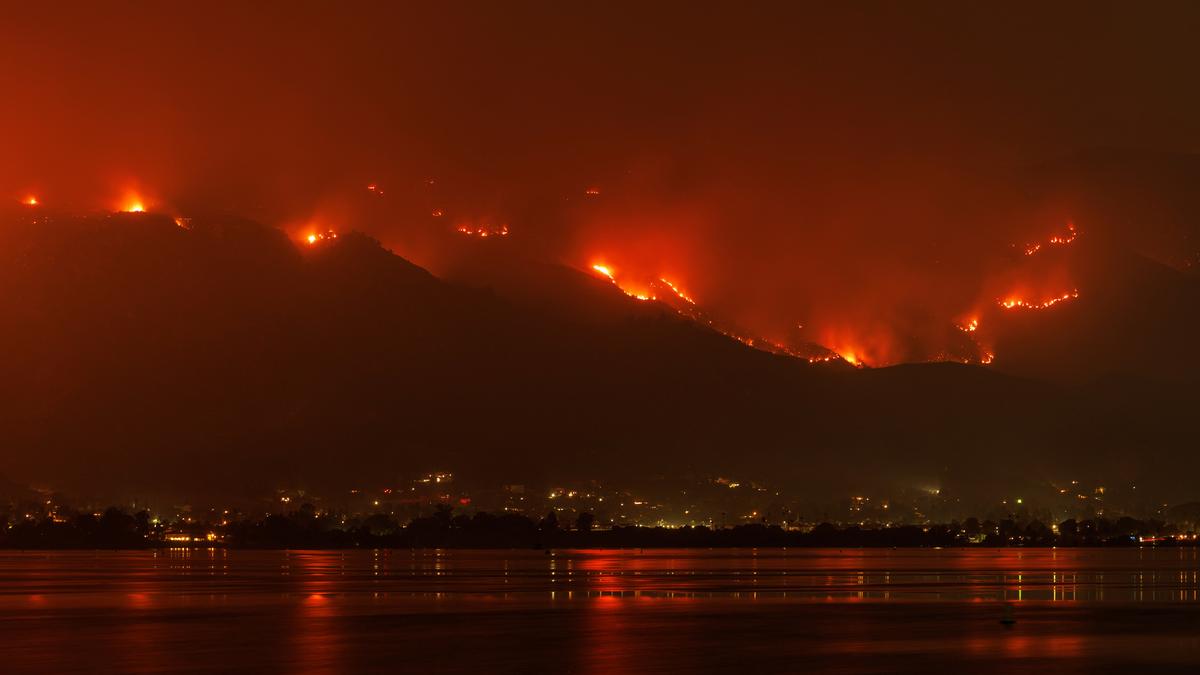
(607, 611)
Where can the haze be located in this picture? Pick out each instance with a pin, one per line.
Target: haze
(846, 169)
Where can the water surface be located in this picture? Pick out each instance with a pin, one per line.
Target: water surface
(610, 611)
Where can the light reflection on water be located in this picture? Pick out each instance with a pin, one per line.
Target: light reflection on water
(848, 610)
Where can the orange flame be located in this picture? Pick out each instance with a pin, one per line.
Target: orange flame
(1056, 240)
(609, 273)
(314, 238)
(30, 201)
(850, 357)
(1015, 302)
(481, 231)
(675, 289)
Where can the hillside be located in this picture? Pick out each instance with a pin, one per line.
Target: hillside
(159, 358)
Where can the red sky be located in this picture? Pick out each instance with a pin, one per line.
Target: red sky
(850, 168)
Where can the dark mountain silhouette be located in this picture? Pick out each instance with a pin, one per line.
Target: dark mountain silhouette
(140, 355)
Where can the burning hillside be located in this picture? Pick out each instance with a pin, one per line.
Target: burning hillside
(1040, 277)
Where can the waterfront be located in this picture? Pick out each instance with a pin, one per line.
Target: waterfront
(710, 610)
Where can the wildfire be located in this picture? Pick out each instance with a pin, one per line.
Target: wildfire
(592, 192)
(606, 271)
(675, 289)
(482, 231)
(1017, 300)
(971, 328)
(437, 213)
(1056, 240)
(316, 237)
(30, 201)
(1014, 302)
(133, 205)
(850, 357)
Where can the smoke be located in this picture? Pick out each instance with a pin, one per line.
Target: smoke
(815, 174)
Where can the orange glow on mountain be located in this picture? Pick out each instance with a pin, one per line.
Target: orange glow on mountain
(1014, 302)
(1056, 240)
(30, 201)
(849, 356)
(315, 238)
(133, 205)
(675, 289)
(635, 291)
(481, 231)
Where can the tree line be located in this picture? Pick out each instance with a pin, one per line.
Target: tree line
(307, 528)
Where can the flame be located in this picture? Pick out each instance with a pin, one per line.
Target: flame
(1056, 240)
(1016, 302)
(850, 357)
(971, 328)
(606, 271)
(481, 231)
(591, 192)
(133, 205)
(30, 201)
(437, 213)
(636, 293)
(314, 238)
(675, 289)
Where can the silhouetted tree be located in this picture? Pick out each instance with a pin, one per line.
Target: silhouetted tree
(584, 522)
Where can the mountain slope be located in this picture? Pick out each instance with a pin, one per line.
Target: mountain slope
(222, 358)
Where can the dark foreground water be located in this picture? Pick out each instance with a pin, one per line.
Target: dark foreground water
(663, 611)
